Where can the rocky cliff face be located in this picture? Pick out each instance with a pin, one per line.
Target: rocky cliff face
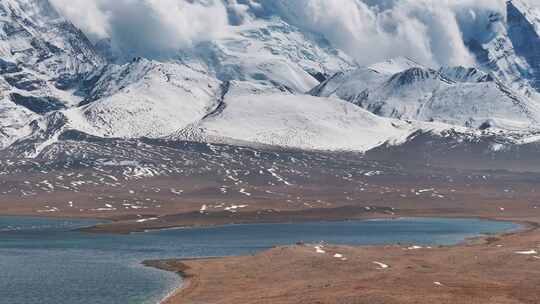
(524, 33)
(511, 50)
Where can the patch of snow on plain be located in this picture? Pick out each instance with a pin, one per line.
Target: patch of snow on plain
(319, 249)
(528, 252)
(381, 265)
(147, 220)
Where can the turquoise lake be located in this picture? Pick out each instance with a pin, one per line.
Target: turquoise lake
(43, 261)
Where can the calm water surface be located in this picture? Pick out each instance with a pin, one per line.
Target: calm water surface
(42, 261)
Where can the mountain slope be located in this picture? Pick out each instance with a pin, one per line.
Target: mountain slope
(43, 57)
(251, 114)
(269, 52)
(511, 48)
(35, 36)
(349, 84)
(466, 97)
(524, 32)
(266, 81)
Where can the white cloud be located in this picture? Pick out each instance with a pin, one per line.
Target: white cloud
(430, 31)
(149, 28)
(87, 15)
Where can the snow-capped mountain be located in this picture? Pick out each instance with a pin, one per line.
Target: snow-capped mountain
(268, 81)
(42, 58)
(35, 36)
(249, 113)
(456, 96)
(511, 50)
(269, 52)
(145, 98)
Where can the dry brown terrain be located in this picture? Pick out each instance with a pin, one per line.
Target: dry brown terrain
(150, 185)
(477, 194)
(145, 184)
(497, 270)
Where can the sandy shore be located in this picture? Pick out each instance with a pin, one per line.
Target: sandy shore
(495, 269)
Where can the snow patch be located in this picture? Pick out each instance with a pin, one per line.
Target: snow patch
(381, 265)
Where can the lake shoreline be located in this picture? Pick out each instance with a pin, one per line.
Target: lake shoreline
(197, 219)
(191, 270)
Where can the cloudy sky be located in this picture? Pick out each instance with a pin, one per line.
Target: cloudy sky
(431, 31)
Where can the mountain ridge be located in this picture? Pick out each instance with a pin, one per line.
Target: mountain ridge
(285, 86)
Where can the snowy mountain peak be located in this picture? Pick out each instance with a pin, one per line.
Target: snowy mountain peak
(395, 65)
(34, 35)
(248, 84)
(459, 96)
(464, 74)
(414, 75)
